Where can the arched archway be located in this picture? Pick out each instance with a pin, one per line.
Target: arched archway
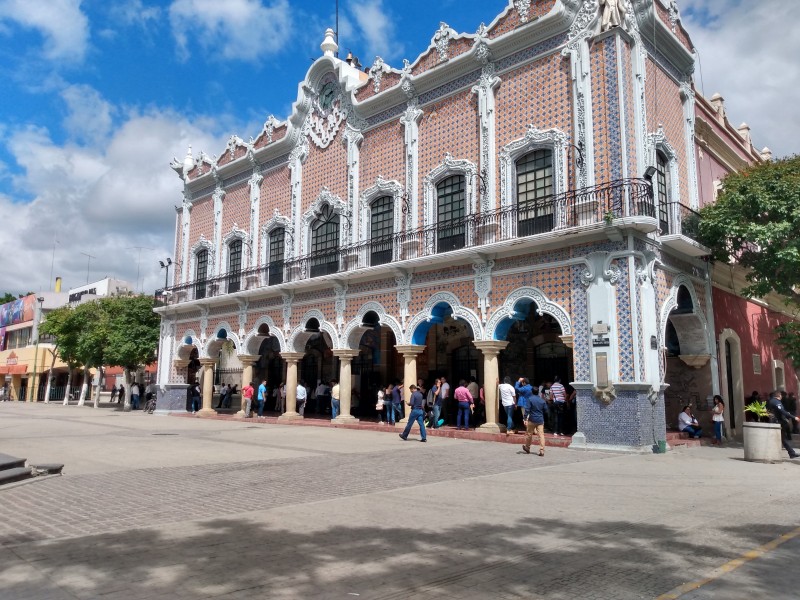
(316, 338)
(687, 369)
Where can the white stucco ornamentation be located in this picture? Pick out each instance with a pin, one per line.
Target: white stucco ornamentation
(410, 122)
(381, 188)
(657, 142)
(277, 221)
(340, 304)
(458, 312)
(326, 115)
(325, 197)
(614, 13)
(288, 297)
(252, 341)
(483, 285)
(198, 246)
(543, 306)
(355, 329)
(523, 7)
(403, 281)
(485, 89)
(376, 72)
(235, 234)
(450, 166)
(441, 39)
(299, 336)
(269, 127)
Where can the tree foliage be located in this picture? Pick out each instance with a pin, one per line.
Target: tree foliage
(7, 297)
(62, 325)
(756, 222)
(133, 331)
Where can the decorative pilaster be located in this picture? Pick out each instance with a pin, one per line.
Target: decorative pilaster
(352, 138)
(247, 360)
(219, 196)
(410, 123)
(255, 202)
(345, 384)
(186, 217)
(485, 89)
(291, 358)
(208, 387)
(483, 285)
(410, 353)
(491, 376)
(403, 295)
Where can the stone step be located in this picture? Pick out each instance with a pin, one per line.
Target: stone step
(10, 462)
(15, 474)
(48, 469)
(686, 443)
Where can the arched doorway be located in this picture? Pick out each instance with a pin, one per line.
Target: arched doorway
(687, 360)
(732, 380)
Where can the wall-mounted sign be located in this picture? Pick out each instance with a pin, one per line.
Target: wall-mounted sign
(600, 342)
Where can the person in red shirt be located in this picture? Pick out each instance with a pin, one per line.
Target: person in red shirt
(247, 398)
(465, 404)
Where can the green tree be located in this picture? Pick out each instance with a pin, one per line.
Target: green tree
(6, 298)
(65, 329)
(91, 341)
(133, 334)
(756, 222)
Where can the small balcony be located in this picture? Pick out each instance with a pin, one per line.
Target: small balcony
(625, 203)
(681, 230)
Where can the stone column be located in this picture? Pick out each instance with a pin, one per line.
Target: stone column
(16, 386)
(247, 360)
(291, 358)
(410, 353)
(491, 373)
(208, 388)
(345, 384)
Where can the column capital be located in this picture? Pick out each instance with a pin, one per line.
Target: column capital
(410, 349)
(490, 347)
(246, 359)
(292, 356)
(180, 363)
(569, 340)
(208, 362)
(346, 354)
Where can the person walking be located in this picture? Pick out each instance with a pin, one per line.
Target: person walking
(718, 419)
(397, 402)
(121, 399)
(534, 410)
(195, 396)
(559, 396)
(113, 393)
(783, 417)
(335, 406)
(262, 397)
(417, 414)
(302, 397)
(508, 397)
(247, 399)
(465, 404)
(223, 395)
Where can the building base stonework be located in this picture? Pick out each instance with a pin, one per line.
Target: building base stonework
(172, 397)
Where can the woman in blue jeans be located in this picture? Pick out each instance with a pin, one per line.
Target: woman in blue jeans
(389, 404)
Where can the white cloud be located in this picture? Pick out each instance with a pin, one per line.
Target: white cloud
(235, 29)
(90, 116)
(748, 53)
(101, 199)
(61, 23)
(375, 26)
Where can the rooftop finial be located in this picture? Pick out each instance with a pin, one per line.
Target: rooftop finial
(188, 162)
(329, 46)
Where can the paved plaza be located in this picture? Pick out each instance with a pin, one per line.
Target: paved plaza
(162, 507)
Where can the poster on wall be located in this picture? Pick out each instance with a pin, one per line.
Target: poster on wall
(18, 311)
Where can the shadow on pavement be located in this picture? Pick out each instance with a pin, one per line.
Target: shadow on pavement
(237, 558)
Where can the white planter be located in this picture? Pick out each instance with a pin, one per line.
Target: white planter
(762, 442)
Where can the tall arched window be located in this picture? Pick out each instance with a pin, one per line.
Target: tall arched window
(450, 212)
(234, 266)
(662, 192)
(201, 274)
(381, 229)
(535, 193)
(277, 248)
(325, 243)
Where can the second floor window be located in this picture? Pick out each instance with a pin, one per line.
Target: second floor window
(535, 193)
(277, 248)
(450, 212)
(201, 274)
(381, 230)
(235, 266)
(325, 243)
(662, 192)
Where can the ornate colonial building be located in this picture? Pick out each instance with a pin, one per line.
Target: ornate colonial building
(516, 201)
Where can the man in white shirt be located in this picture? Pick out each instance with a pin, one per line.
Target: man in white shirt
(508, 398)
(559, 396)
(334, 399)
(135, 396)
(302, 396)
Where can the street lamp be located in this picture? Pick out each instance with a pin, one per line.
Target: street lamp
(166, 265)
(38, 318)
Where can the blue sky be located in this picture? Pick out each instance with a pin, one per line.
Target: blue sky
(96, 97)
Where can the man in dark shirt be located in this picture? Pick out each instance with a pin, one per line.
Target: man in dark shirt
(417, 414)
(534, 409)
(785, 418)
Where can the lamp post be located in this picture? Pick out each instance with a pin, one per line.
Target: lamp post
(33, 384)
(166, 265)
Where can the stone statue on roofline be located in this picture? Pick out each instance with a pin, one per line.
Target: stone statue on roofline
(613, 14)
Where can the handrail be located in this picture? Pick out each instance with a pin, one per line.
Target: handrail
(574, 208)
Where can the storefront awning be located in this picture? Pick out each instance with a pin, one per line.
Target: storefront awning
(13, 369)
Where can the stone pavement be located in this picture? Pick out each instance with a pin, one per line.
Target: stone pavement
(161, 507)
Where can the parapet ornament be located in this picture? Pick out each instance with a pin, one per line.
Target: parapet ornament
(441, 40)
(376, 72)
(523, 7)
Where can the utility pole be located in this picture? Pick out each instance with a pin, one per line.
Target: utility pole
(138, 261)
(88, 263)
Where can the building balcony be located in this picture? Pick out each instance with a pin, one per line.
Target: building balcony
(600, 210)
(681, 231)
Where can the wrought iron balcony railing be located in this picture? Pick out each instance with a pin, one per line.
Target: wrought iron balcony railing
(682, 220)
(577, 208)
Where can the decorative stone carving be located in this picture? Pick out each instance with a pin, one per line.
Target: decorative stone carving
(382, 187)
(354, 330)
(543, 306)
(606, 395)
(340, 208)
(480, 46)
(340, 291)
(324, 122)
(674, 15)
(459, 312)
(486, 103)
(522, 6)
(376, 72)
(441, 39)
(269, 127)
(403, 281)
(410, 123)
(483, 285)
(600, 263)
(614, 13)
(288, 297)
